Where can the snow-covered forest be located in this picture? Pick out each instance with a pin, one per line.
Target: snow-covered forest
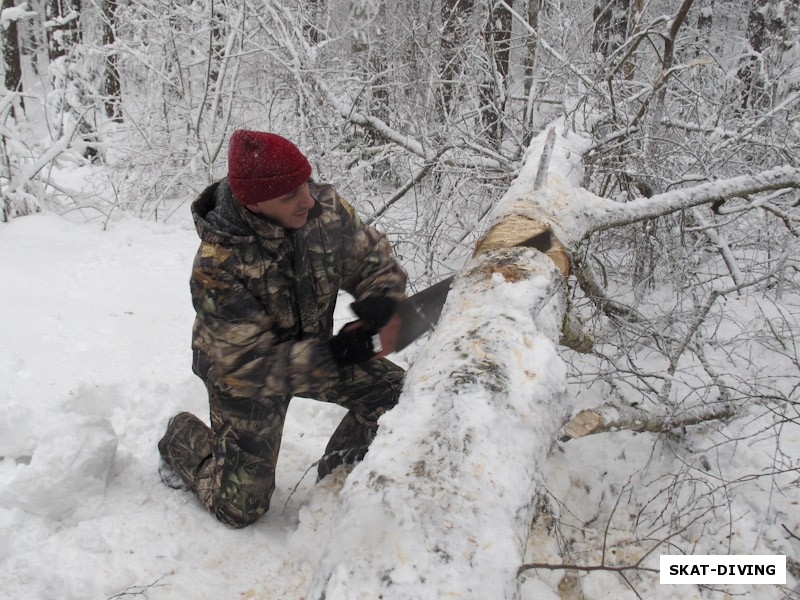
(671, 178)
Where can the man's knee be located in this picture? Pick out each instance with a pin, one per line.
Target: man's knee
(235, 498)
(238, 483)
(233, 517)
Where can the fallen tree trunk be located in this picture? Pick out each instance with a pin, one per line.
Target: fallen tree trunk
(442, 503)
(456, 466)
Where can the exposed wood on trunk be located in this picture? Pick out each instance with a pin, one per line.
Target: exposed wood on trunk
(513, 230)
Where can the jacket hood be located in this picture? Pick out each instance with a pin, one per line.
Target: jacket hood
(220, 219)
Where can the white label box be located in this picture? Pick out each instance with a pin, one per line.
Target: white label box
(720, 568)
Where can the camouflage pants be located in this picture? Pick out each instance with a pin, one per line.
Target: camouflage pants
(230, 466)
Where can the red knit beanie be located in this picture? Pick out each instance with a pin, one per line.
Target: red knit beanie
(263, 166)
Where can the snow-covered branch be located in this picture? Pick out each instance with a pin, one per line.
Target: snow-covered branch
(404, 189)
(17, 13)
(350, 113)
(593, 288)
(488, 160)
(716, 238)
(606, 215)
(27, 173)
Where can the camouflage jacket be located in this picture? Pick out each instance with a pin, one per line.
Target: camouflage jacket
(264, 295)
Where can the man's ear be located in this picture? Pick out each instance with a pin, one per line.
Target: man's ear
(253, 208)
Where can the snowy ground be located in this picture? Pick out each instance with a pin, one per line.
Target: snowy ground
(95, 327)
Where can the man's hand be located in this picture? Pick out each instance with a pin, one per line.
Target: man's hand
(353, 344)
(374, 311)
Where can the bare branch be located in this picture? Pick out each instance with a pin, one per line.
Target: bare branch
(420, 175)
(137, 590)
(370, 122)
(594, 290)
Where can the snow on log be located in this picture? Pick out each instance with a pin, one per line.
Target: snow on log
(441, 505)
(573, 213)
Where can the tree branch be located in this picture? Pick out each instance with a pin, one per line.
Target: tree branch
(606, 214)
(406, 187)
(595, 291)
(370, 122)
(716, 238)
(611, 417)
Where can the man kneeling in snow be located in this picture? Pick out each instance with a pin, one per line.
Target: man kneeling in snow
(276, 248)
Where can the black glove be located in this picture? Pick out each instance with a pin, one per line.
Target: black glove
(375, 311)
(352, 346)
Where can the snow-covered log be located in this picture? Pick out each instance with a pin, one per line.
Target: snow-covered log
(441, 504)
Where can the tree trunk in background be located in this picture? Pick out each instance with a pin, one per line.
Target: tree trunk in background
(11, 56)
(369, 50)
(668, 57)
(455, 15)
(73, 94)
(315, 13)
(368, 46)
(610, 25)
(766, 30)
(63, 26)
(30, 35)
(705, 21)
(218, 34)
(111, 87)
(529, 68)
(633, 28)
(497, 39)
(531, 42)
(751, 73)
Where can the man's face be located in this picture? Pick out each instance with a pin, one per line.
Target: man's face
(289, 210)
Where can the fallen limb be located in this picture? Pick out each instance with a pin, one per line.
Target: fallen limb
(613, 417)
